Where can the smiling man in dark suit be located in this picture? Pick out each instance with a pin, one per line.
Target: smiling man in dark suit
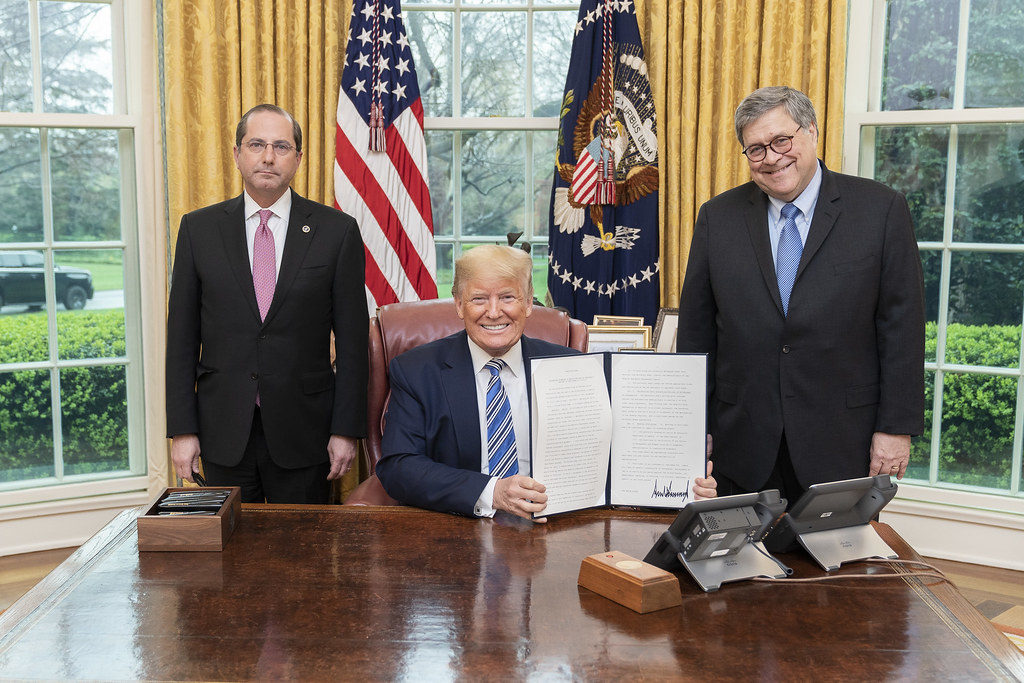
(804, 287)
(259, 283)
(456, 435)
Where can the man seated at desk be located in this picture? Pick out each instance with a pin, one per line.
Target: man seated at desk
(456, 435)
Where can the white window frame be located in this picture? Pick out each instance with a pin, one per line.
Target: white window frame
(65, 514)
(944, 520)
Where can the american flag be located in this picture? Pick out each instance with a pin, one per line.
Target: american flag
(584, 178)
(380, 171)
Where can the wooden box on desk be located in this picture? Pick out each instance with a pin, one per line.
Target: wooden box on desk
(187, 532)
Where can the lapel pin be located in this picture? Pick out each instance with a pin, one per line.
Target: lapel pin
(305, 228)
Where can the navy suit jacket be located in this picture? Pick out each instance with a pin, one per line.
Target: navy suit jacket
(846, 362)
(431, 444)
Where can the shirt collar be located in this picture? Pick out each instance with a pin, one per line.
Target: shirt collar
(805, 202)
(282, 208)
(513, 357)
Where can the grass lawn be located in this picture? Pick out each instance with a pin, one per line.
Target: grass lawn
(105, 275)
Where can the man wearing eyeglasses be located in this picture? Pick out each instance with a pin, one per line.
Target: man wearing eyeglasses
(259, 283)
(804, 287)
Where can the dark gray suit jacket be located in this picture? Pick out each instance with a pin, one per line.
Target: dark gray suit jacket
(847, 361)
(219, 352)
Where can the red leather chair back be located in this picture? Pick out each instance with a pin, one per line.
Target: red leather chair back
(403, 326)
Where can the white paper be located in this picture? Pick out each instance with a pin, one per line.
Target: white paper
(571, 430)
(658, 437)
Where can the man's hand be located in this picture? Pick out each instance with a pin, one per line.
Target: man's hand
(185, 455)
(890, 454)
(342, 451)
(705, 487)
(521, 496)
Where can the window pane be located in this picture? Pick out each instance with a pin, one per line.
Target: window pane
(543, 177)
(931, 264)
(23, 334)
(493, 177)
(439, 171)
(445, 269)
(540, 272)
(94, 418)
(986, 289)
(552, 45)
(21, 193)
(493, 66)
(26, 441)
(912, 159)
(995, 54)
(990, 184)
(977, 430)
(86, 181)
(76, 57)
(921, 446)
(93, 280)
(920, 54)
(430, 38)
(15, 57)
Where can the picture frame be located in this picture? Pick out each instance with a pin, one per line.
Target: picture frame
(618, 320)
(666, 329)
(617, 337)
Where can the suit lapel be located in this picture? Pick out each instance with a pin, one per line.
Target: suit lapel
(757, 227)
(826, 211)
(296, 243)
(459, 387)
(232, 232)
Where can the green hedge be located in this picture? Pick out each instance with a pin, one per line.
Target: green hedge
(94, 401)
(976, 445)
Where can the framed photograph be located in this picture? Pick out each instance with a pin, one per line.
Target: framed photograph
(665, 330)
(619, 320)
(617, 338)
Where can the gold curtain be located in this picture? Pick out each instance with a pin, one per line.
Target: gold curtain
(222, 58)
(704, 56)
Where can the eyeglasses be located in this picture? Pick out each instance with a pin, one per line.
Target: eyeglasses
(257, 146)
(779, 144)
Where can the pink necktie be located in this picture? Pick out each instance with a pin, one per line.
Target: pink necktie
(264, 264)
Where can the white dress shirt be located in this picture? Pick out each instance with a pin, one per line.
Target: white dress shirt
(513, 378)
(278, 224)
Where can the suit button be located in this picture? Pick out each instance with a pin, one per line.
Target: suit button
(263, 336)
(785, 348)
(254, 376)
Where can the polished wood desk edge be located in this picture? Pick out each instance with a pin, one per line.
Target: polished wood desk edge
(989, 644)
(67, 574)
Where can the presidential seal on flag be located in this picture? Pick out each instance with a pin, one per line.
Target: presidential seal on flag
(603, 236)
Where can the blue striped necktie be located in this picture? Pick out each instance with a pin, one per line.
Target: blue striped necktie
(501, 437)
(787, 257)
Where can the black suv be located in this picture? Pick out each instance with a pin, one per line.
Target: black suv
(21, 281)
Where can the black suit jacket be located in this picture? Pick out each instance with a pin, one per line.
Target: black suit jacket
(846, 362)
(430, 450)
(219, 352)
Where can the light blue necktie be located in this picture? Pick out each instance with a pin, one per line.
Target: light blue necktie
(502, 455)
(787, 257)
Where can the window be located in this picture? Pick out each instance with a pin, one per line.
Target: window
(491, 76)
(936, 110)
(70, 349)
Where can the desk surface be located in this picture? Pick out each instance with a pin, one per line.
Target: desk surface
(396, 593)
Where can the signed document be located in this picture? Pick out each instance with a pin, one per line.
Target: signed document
(617, 428)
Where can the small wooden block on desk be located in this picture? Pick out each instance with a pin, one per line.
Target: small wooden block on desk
(639, 586)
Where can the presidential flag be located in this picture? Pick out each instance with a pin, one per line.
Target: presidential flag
(380, 171)
(603, 230)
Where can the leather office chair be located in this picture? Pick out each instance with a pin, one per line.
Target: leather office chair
(403, 326)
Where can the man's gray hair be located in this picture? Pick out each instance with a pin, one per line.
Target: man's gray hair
(763, 100)
(240, 129)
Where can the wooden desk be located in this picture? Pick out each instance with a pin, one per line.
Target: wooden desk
(396, 593)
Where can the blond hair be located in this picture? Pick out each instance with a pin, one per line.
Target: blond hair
(497, 261)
